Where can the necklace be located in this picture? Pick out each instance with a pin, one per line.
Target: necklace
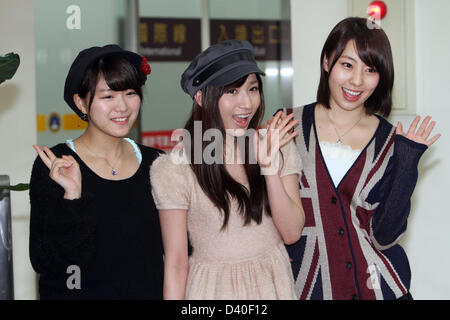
(339, 141)
(113, 170)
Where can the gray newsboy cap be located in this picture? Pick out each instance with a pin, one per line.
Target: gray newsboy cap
(219, 65)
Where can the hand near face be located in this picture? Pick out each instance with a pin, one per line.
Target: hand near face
(65, 171)
(268, 141)
(419, 135)
(266, 124)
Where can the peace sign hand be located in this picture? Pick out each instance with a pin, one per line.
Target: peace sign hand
(65, 171)
(422, 134)
(268, 141)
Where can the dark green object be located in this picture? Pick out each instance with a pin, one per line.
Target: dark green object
(19, 187)
(8, 66)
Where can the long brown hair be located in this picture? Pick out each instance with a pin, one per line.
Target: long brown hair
(214, 179)
(374, 49)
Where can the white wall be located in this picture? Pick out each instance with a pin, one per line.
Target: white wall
(428, 243)
(428, 238)
(18, 130)
(311, 22)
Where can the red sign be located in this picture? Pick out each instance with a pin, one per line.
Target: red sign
(159, 140)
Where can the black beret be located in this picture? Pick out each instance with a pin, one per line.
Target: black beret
(219, 65)
(89, 56)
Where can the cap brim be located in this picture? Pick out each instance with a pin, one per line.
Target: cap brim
(234, 74)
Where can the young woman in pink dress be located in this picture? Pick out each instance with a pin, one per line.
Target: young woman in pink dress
(237, 214)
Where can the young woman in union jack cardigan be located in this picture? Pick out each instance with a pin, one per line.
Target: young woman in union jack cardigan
(359, 173)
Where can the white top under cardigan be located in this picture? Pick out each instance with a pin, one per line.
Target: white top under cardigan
(338, 158)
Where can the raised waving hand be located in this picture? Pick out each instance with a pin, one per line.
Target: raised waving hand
(422, 134)
(268, 141)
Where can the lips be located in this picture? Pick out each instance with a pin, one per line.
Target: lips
(242, 120)
(351, 95)
(120, 121)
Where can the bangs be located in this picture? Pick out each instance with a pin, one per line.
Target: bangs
(209, 112)
(368, 54)
(373, 48)
(372, 52)
(238, 83)
(256, 120)
(119, 74)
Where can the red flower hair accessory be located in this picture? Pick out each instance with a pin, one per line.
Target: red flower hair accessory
(145, 67)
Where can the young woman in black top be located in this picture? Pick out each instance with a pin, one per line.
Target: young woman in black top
(94, 230)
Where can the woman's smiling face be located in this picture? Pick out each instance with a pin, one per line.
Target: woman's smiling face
(351, 81)
(113, 112)
(237, 106)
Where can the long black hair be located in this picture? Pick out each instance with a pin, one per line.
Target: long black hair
(214, 179)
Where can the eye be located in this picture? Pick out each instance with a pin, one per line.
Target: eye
(372, 70)
(232, 91)
(347, 65)
(131, 93)
(255, 88)
(107, 97)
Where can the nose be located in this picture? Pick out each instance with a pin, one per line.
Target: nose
(121, 104)
(357, 78)
(245, 101)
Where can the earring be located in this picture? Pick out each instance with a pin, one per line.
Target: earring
(84, 117)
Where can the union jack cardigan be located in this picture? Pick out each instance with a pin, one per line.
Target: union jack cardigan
(349, 246)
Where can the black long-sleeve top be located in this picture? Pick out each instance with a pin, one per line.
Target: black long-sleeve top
(109, 239)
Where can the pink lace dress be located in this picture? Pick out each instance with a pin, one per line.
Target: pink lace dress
(241, 262)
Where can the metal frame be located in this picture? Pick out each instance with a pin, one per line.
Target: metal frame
(6, 258)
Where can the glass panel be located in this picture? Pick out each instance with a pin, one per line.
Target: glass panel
(278, 79)
(248, 9)
(166, 106)
(62, 29)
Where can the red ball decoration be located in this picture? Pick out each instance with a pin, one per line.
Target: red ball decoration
(145, 67)
(377, 9)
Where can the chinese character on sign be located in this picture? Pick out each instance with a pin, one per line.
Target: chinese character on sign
(143, 34)
(179, 33)
(258, 35)
(160, 33)
(240, 32)
(223, 33)
(274, 34)
(267, 36)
